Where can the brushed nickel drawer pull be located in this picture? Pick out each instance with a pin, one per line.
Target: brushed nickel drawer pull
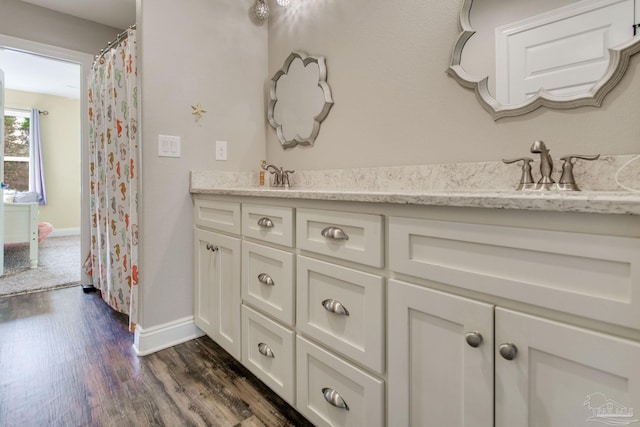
(336, 233)
(265, 279)
(265, 350)
(265, 222)
(334, 398)
(335, 307)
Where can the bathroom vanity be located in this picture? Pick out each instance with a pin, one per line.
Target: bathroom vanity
(426, 307)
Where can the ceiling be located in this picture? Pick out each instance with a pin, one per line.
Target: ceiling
(38, 74)
(33, 73)
(114, 13)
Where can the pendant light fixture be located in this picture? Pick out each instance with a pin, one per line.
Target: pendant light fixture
(261, 11)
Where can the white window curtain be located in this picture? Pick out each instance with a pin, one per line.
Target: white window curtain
(36, 167)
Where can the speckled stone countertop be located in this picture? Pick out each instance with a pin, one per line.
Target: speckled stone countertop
(457, 185)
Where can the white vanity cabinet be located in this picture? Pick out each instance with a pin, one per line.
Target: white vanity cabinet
(217, 288)
(423, 315)
(547, 373)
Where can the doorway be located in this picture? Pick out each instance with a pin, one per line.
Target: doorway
(83, 62)
(565, 51)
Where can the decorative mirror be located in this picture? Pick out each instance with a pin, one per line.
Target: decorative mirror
(519, 55)
(300, 99)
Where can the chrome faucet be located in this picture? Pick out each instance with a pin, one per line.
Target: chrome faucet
(546, 166)
(567, 180)
(276, 172)
(280, 176)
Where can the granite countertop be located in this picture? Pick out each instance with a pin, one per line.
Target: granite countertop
(456, 185)
(593, 202)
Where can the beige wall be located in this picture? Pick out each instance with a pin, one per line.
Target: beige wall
(395, 105)
(30, 22)
(205, 52)
(61, 153)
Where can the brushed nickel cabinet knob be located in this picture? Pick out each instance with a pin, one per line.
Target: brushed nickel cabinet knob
(508, 350)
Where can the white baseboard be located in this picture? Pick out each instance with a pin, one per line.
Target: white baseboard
(59, 232)
(156, 338)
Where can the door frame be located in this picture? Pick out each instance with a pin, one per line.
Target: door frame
(2, 171)
(85, 61)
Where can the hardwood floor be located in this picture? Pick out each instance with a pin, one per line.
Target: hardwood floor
(66, 359)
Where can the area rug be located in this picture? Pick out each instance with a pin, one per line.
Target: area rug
(58, 266)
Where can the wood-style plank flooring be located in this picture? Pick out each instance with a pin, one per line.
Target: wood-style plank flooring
(66, 359)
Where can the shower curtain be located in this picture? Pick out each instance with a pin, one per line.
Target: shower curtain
(113, 169)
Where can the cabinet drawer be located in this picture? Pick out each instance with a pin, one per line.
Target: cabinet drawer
(320, 373)
(349, 236)
(272, 224)
(589, 275)
(268, 352)
(342, 308)
(267, 280)
(217, 215)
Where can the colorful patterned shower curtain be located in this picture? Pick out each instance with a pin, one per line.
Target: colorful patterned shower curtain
(113, 168)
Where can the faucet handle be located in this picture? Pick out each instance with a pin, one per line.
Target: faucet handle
(526, 179)
(572, 157)
(567, 180)
(277, 178)
(285, 178)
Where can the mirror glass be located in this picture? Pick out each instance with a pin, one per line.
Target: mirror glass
(300, 99)
(522, 54)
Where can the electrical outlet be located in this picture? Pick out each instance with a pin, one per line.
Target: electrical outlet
(221, 150)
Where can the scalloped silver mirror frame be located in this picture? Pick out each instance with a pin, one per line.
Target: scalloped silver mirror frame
(322, 83)
(619, 58)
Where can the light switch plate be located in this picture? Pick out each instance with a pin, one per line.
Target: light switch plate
(168, 146)
(221, 150)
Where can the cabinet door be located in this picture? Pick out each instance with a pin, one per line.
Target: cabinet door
(436, 378)
(217, 288)
(562, 375)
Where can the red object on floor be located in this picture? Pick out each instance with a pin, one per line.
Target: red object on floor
(44, 229)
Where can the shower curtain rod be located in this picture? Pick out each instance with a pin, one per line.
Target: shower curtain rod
(122, 36)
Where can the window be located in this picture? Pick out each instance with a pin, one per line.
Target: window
(16, 149)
